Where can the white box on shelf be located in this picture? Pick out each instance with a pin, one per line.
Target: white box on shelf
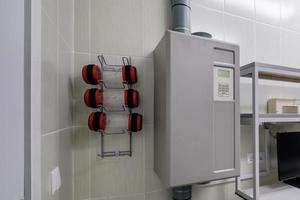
(281, 106)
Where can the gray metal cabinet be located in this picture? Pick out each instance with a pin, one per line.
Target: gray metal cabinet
(196, 109)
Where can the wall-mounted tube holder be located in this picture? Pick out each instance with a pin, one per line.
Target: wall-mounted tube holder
(101, 98)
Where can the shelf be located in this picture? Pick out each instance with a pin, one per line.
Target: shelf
(271, 72)
(278, 191)
(257, 71)
(246, 119)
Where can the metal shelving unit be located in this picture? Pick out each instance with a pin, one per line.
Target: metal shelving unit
(258, 71)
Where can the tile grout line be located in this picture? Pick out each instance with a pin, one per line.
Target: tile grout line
(249, 19)
(72, 97)
(57, 63)
(144, 137)
(90, 137)
(280, 36)
(90, 54)
(223, 20)
(56, 131)
(255, 32)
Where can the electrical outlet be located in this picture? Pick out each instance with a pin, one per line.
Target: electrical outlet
(262, 158)
(55, 178)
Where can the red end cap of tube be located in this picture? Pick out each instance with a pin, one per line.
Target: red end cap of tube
(135, 122)
(97, 121)
(131, 98)
(93, 98)
(91, 74)
(129, 74)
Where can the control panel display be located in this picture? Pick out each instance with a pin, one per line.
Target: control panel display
(223, 84)
(223, 73)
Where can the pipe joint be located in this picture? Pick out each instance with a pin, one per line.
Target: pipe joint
(181, 15)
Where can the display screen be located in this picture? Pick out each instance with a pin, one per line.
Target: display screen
(223, 73)
(288, 152)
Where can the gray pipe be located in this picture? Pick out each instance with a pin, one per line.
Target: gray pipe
(182, 193)
(181, 16)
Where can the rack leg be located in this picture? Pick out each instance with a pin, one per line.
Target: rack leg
(255, 134)
(267, 149)
(102, 145)
(130, 144)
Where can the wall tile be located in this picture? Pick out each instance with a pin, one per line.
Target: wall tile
(130, 197)
(115, 30)
(81, 113)
(82, 25)
(231, 192)
(102, 198)
(153, 182)
(206, 20)
(215, 4)
(290, 14)
(57, 151)
(217, 192)
(268, 11)
(57, 85)
(267, 44)
(112, 174)
(65, 81)
(246, 136)
(66, 21)
(290, 48)
(245, 96)
(79, 85)
(81, 146)
(49, 75)
(143, 64)
(241, 32)
(159, 195)
(244, 8)
(50, 7)
(161, 21)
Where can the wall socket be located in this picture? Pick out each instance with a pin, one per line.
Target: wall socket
(55, 179)
(262, 158)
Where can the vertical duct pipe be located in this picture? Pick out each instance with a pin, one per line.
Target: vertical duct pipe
(182, 193)
(181, 16)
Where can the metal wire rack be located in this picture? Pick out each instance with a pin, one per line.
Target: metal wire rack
(106, 67)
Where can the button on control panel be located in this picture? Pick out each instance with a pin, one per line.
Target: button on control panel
(223, 90)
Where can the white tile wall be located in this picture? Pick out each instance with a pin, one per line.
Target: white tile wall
(240, 31)
(65, 82)
(57, 71)
(50, 8)
(289, 49)
(156, 20)
(290, 14)
(66, 21)
(116, 27)
(243, 8)
(267, 44)
(266, 30)
(216, 192)
(268, 11)
(82, 26)
(49, 75)
(57, 151)
(215, 4)
(215, 24)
